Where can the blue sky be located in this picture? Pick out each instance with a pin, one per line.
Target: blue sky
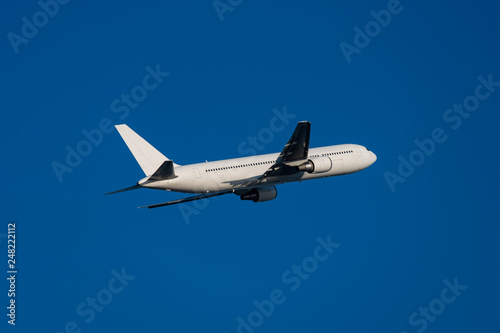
(411, 250)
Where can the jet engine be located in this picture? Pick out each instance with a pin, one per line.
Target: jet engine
(260, 194)
(317, 164)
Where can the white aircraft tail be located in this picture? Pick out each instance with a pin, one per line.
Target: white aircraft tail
(146, 155)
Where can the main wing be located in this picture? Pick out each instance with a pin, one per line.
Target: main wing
(193, 198)
(295, 152)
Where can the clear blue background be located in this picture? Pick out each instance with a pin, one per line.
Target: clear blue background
(225, 79)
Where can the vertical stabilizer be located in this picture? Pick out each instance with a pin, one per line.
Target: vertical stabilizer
(146, 155)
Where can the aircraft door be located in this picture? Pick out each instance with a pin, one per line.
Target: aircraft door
(197, 174)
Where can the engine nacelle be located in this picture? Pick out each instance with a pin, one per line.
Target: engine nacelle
(260, 194)
(316, 165)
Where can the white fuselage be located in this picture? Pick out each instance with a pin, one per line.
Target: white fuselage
(243, 173)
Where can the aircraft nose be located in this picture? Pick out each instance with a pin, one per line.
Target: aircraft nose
(370, 157)
(373, 157)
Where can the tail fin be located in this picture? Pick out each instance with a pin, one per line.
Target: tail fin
(146, 155)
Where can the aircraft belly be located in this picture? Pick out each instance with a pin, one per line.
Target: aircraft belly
(212, 182)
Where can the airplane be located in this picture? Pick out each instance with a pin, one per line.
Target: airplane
(253, 177)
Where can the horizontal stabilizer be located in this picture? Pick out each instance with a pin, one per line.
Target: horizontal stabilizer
(165, 171)
(135, 187)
